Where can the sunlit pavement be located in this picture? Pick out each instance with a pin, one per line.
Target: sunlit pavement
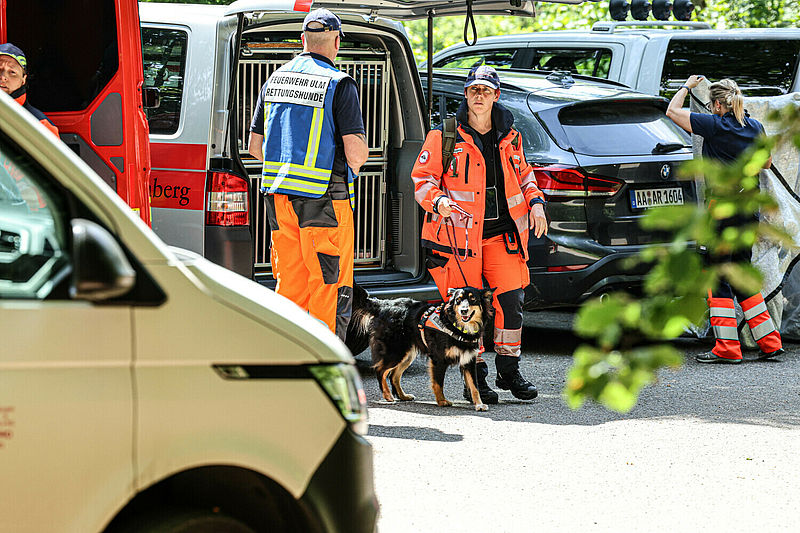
(708, 448)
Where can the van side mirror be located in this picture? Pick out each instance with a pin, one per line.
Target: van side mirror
(100, 269)
(151, 97)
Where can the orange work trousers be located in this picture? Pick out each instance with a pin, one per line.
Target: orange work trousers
(312, 255)
(503, 267)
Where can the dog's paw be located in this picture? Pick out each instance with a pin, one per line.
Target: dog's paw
(444, 403)
(481, 407)
(388, 399)
(408, 398)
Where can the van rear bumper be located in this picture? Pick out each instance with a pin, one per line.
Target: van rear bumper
(341, 494)
(231, 247)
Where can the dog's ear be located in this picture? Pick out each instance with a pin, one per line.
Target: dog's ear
(450, 291)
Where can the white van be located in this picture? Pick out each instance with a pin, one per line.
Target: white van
(651, 57)
(143, 388)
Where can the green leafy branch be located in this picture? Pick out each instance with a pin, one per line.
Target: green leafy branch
(628, 334)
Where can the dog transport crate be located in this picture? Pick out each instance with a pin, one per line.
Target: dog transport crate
(370, 68)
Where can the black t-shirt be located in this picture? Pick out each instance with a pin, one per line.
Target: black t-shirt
(495, 202)
(347, 118)
(724, 139)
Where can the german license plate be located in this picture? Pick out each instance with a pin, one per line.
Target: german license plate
(656, 197)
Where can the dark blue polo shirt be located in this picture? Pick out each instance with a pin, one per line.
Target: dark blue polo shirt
(346, 115)
(724, 139)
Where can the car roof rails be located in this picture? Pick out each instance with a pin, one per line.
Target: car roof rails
(605, 26)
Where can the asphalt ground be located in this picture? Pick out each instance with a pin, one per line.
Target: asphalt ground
(707, 448)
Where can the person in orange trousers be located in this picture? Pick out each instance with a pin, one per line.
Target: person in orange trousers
(308, 131)
(727, 132)
(478, 214)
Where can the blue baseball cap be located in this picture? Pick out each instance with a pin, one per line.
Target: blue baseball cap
(8, 49)
(328, 20)
(483, 75)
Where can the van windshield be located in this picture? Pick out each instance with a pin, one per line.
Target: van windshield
(619, 128)
(765, 67)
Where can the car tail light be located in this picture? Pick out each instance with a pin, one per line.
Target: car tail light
(563, 182)
(227, 200)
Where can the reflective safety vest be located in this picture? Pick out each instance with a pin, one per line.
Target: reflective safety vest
(299, 142)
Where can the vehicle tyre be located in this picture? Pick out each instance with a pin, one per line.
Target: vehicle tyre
(187, 521)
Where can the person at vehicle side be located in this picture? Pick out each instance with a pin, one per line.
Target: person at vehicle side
(478, 212)
(727, 132)
(14, 81)
(308, 131)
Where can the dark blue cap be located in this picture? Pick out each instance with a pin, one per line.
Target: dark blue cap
(8, 49)
(328, 20)
(483, 75)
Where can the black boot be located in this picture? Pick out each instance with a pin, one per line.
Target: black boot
(509, 378)
(488, 396)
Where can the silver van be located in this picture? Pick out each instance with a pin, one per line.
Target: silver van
(651, 57)
(209, 63)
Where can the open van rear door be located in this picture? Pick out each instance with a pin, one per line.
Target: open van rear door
(85, 63)
(393, 9)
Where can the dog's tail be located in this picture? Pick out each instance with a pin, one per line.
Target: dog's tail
(359, 326)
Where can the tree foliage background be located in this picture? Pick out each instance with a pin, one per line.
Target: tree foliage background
(719, 13)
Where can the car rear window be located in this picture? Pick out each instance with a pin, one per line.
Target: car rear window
(584, 61)
(495, 58)
(761, 67)
(619, 128)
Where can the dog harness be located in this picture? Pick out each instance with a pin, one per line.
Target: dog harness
(432, 319)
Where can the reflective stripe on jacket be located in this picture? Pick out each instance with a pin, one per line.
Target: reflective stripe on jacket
(465, 184)
(299, 142)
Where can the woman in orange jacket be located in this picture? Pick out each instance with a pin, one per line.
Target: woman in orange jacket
(478, 214)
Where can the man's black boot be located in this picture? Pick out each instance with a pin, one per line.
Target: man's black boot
(488, 396)
(509, 378)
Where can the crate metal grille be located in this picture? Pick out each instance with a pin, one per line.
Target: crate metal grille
(372, 78)
(373, 83)
(368, 219)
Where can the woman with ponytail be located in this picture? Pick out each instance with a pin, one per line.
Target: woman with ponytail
(727, 132)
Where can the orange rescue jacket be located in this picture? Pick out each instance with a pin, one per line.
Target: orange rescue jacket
(46, 122)
(465, 184)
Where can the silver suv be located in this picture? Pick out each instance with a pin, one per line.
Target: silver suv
(651, 57)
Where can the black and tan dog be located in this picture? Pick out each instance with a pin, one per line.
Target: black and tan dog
(398, 330)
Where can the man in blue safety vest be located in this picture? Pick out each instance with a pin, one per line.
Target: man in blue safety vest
(308, 131)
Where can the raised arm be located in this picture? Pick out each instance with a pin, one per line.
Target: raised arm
(675, 110)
